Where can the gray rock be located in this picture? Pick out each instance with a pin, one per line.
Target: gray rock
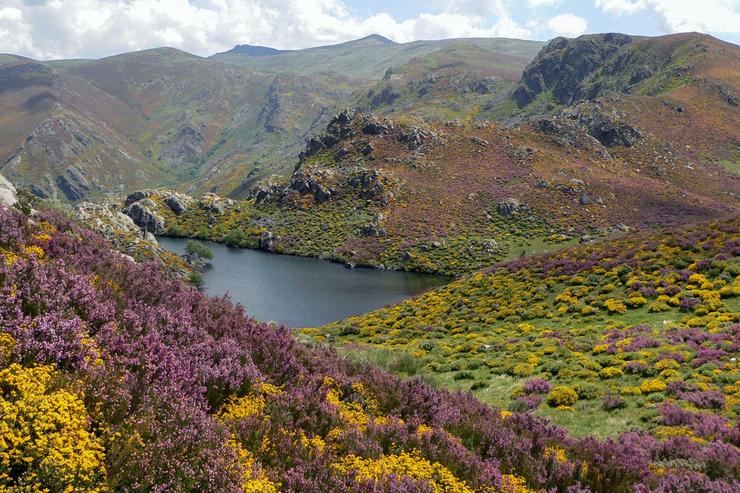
(8, 195)
(269, 241)
(73, 184)
(176, 204)
(213, 203)
(143, 216)
(509, 206)
(135, 197)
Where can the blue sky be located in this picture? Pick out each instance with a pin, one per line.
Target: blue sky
(50, 29)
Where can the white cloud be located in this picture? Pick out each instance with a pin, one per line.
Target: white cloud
(92, 28)
(567, 25)
(620, 6)
(717, 16)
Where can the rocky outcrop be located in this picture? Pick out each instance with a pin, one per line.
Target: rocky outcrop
(346, 125)
(107, 219)
(8, 195)
(311, 180)
(73, 184)
(587, 125)
(564, 64)
(385, 96)
(215, 204)
(143, 215)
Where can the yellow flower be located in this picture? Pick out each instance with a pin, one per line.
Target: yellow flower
(44, 438)
(408, 465)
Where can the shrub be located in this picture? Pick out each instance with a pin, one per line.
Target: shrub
(562, 396)
(537, 386)
(612, 402)
(650, 386)
(235, 237)
(198, 250)
(610, 372)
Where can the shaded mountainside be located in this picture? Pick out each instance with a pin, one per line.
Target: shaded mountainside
(639, 332)
(115, 377)
(63, 137)
(451, 198)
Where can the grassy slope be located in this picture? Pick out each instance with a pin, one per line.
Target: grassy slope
(603, 318)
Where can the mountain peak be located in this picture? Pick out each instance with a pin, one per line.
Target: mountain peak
(255, 50)
(377, 38)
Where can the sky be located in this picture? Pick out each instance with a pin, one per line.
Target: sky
(54, 29)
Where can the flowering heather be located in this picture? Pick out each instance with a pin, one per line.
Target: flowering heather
(164, 389)
(602, 324)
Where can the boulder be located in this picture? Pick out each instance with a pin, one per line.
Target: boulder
(8, 195)
(213, 203)
(135, 197)
(269, 241)
(508, 206)
(177, 203)
(141, 213)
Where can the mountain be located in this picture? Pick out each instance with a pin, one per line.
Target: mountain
(164, 117)
(254, 50)
(115, 377)
(370, 57)
(63, 136)
(84, 129)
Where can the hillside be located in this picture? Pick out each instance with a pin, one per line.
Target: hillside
(635, 333)
(63, 137)
(451, 198)
(164, 117)
(370, 57)
(684, 88)
(114, 377)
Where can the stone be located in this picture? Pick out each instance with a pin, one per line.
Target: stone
(269, 241)
(509, 206)
(134, 197)
(143, 216)
(175, 205)
(8, 194)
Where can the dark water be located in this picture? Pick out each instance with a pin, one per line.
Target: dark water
(298, 291)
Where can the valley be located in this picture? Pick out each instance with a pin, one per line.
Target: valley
(477, 265)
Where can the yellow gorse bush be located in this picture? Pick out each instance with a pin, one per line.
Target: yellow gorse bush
(45, 442)
(410, 465)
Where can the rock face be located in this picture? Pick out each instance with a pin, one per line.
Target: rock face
(185, 146)
(587, 124)
(109, 221)
(142, 214)
(564, 64)
(73, 184)
(7, 192)
(215, 204)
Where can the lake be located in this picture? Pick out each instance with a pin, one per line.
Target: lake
(300, 291)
